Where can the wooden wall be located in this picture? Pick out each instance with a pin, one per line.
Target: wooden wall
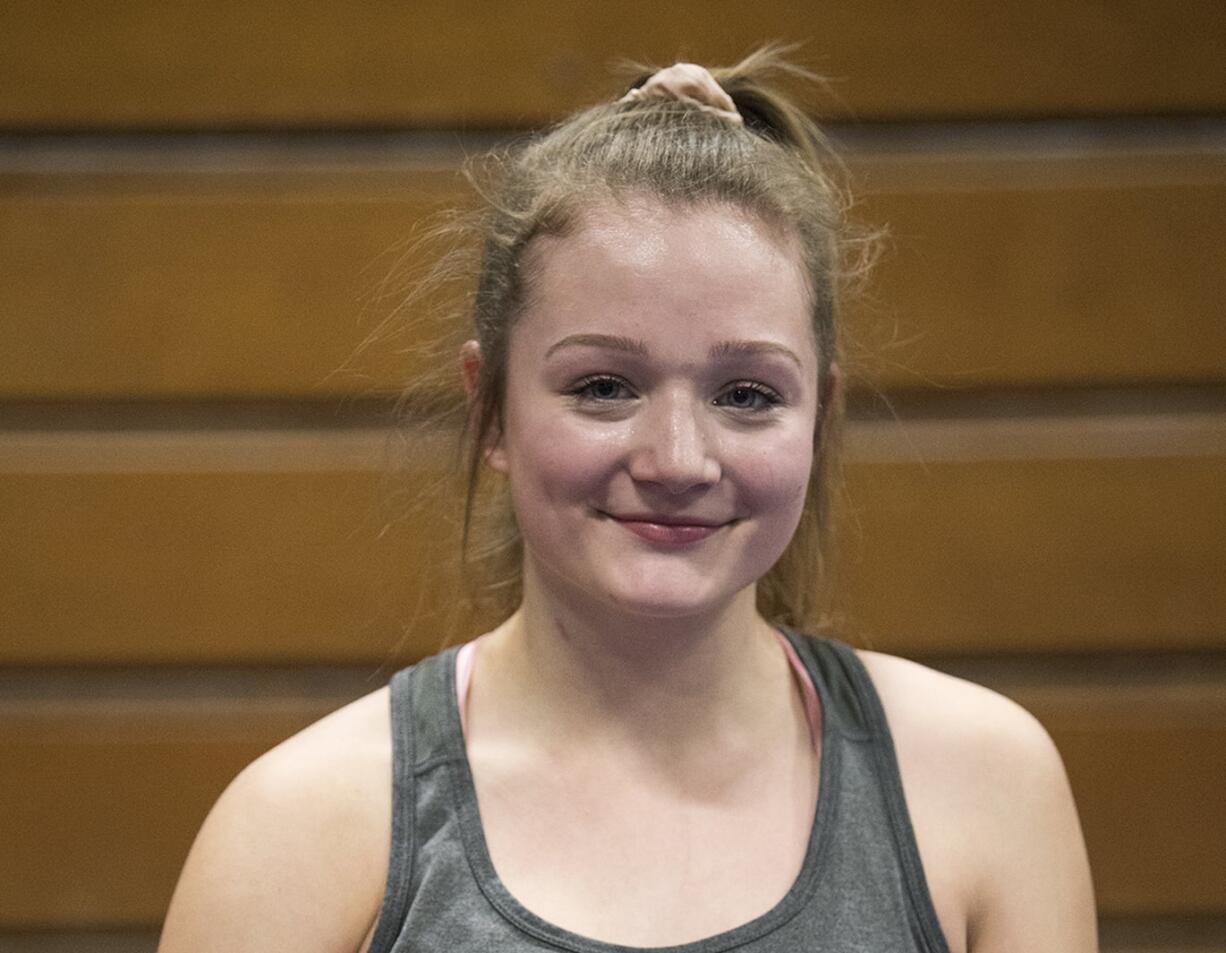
(200, 543)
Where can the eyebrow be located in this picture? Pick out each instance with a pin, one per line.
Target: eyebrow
(609, 341)
(738, 348)
(631, 346)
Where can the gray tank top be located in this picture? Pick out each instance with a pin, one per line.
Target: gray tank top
(861, 886)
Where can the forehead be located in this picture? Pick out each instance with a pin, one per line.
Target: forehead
(669, 274)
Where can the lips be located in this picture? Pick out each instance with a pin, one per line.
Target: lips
(668, 530)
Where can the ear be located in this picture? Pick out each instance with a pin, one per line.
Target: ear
(832, 387)
(829, 397)
(470, 367)
(496, 456)
(470, 373)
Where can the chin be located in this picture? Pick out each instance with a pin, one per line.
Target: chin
(664, 608)
(669, 599)
(646, 589)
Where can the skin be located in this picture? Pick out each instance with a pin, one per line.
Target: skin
(634, 724)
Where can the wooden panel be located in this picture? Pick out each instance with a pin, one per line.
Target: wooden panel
(1162, 935)
(218, 548)
(101, 804)
(102, 798)
(1147, 763)
(1002, 272)
(219, 286)
(82, 941)
(1036, 536)
(433, 62)
(962, 538)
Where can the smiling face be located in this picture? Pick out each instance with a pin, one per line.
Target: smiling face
(660, 407)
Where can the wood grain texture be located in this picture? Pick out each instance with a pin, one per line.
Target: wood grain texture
(1043, 273)
(1147, 763)
(273, 63)
(987, 536)
(262, 282)
(1162, 934)
(257, 563)
(216, 285)
(102, 797)
(102, 804)
(1051, 555)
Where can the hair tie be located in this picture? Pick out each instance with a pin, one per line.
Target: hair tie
(688, 83)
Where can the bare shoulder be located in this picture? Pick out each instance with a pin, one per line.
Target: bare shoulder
(293, 856)
(959, 719)
(992, 809)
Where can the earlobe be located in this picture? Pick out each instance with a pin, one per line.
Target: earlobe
(829, 399)
(470, 372)
(470, 367)
(832, 388)
(496, 458)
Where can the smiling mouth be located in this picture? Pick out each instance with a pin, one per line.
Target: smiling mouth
(668, 530)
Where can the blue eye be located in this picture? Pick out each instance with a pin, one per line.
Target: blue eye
(747, 395)
(600, 388)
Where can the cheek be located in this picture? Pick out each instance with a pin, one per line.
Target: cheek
(560, 463)
(777, 478)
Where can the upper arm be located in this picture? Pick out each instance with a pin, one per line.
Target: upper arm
(1035, 891)
(993, 814)
(292, 857)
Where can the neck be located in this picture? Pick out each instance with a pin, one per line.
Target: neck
(569, 667)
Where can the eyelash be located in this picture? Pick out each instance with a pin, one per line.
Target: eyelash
(582, 391)
(770, 396)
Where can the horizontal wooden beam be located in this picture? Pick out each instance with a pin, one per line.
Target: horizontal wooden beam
(129, 789)
(223, 286)
(273, 63)
(1146, 762)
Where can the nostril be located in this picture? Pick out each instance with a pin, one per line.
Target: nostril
(675, 473)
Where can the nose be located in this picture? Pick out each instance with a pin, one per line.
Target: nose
(672, 446)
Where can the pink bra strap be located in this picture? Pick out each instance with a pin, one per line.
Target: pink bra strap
(808, 693)
(463, 676)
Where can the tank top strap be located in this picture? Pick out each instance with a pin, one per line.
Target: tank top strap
(858, 715)
(431, 709)
(417, 707)
(848, 692)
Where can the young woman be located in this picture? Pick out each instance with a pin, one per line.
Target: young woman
(643, 755)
